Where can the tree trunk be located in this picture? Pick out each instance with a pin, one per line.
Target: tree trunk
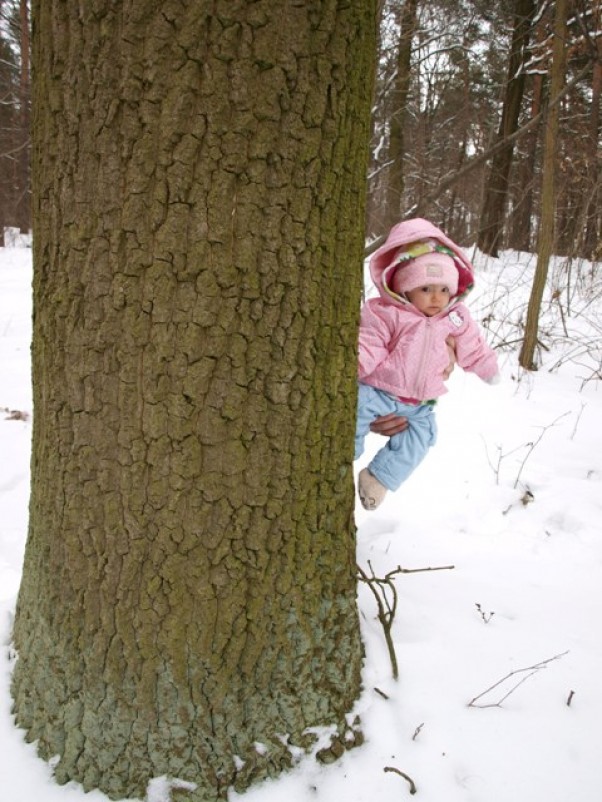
(523, 211)
(23, 205)
(548, 195)
(187, 605)
(394, 191)
(496, 190)
(593, 226)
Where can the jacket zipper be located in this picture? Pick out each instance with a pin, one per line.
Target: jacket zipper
(421, 380)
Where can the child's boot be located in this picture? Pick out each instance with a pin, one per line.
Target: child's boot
(370, 490)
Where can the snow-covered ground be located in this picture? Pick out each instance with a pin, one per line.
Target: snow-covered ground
(499, 696)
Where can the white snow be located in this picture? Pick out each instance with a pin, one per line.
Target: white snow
(510, 497)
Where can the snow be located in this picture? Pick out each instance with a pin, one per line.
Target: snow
(499, 697)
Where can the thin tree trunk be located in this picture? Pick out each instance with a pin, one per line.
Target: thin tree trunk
(395, 181)
(548, 194)
(23, 205)
(523, 211)
(593, 226)
(496, 191)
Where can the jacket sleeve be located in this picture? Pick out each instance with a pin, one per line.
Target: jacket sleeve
(473, 353)
(374, 337)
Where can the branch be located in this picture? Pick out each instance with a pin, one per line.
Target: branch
(532, 446)
(476, 161)
(503, 143)
(405, 777)
(529, 671)
(385, 594)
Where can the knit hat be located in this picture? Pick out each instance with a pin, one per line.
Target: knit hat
(428, 268)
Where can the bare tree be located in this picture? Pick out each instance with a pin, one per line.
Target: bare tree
(14, 140)
(23, 205)
(401, 85)
(546, 229)
(496, 188)
(472, 121)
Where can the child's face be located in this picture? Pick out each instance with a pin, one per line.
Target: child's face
(430, 299)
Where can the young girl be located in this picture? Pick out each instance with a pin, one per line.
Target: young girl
(421, 276)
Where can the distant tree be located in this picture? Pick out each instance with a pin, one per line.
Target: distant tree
(523, 193)
(472, 122)
(188, 601)
(448, 111)
(593, 225)
(545, 242)
(496, 185)
(399, 96)
(23, 188)
(14, 115)
(9, 114)
(580, 213)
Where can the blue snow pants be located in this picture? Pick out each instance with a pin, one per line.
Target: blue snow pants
(403, 452)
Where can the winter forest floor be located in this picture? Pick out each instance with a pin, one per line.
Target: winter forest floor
(499, 697)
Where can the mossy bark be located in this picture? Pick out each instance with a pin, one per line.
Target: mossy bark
(188, 590)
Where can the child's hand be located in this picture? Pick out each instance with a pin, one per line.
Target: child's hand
(451, 349)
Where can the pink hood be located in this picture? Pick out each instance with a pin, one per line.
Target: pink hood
(415, 230)
(401, 350)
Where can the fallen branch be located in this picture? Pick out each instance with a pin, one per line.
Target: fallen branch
(405, 776)
(15, 414)
(528, 672)
(417, 731)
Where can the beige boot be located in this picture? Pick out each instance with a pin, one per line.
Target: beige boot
(370, 490)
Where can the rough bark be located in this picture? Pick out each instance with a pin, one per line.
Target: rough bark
(548, 195)
(187, 605)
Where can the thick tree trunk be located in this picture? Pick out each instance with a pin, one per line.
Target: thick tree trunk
(188, 597)
(496, 190)
(548, 195)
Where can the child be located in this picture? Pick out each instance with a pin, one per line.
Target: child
(421, 276)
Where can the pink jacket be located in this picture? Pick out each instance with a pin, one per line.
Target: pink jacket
(401, 350)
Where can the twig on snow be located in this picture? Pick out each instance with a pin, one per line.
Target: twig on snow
(527, 672)
(385, 593)
(405, 776)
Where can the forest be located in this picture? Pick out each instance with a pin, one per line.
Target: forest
(207, 179)
(462, 105)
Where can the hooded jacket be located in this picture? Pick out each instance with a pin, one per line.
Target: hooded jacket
(403, 351)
